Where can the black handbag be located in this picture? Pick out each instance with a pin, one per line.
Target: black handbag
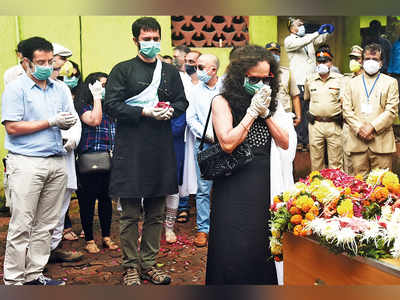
(215, 163)
(95, 162)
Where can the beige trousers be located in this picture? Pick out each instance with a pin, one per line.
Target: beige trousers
(36, 189)
(364, 162)
(329, 133)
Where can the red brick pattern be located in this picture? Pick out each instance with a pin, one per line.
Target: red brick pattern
(210, 31)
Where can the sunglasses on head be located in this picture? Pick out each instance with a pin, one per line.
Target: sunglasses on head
(255, 80)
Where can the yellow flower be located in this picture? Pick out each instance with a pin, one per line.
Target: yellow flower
(286, 196)
(375, 176)
(359, 177)
(275, 233)
(313, 174)
(390, 179)
(345, 209)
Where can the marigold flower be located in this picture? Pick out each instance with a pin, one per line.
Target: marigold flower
(305, 232)
(313, 174)
(294, 210)
(345, 209)
(359, 177)
(297, 229)
(310, 216)
(390, 178)
(304, 222)
(379, 194)
(296, 219)
(314, 210)
(276, 199)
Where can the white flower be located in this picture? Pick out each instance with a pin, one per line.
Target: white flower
(346, 238)
(386, 213)
(395, 251)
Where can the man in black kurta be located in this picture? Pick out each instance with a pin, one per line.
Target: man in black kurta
(144, 163)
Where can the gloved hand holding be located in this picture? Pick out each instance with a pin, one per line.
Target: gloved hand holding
(155, 112)
(96, 89)
(70, 145)
(331, 28)
(324, 28)
(63, 120)
(168, 114)
(260, 103)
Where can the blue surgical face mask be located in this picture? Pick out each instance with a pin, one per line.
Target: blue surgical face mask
(41, 72)
(149, 48)
(252, 88)
(302, 31)
(71, 81)
(277, 58)
(203, 76)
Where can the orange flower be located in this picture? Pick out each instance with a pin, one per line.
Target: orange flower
(306, 207)
(294, 210)
(305, 232)
(366, 203)
(304, 222)
(394, 188)
(296, 219)
(310, 216)
(347, 191)
(380, 194)
(314, 210)
(359, 177)
(276, 199)
(297, 229)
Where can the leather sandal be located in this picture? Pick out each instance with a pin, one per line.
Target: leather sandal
(69, 235)
(182, 216)
(91, 247)
(108, 243)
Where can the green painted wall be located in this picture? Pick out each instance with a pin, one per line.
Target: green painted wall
(364, 20)
(8, 59)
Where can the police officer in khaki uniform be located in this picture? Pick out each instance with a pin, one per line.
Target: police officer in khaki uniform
(356, 69)
(370, 106)
(323, 89)
(289, 93)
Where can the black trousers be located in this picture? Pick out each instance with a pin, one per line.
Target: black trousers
(302, 128)
(92, 187)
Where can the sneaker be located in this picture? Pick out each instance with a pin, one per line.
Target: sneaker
(155, 276)
(63, 255)
(131, 277)
(43, 280)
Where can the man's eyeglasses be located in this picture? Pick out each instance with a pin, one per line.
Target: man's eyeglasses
(255, 80)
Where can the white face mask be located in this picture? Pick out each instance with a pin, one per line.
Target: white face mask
(301, 31)
(322, 69)
(371, 66)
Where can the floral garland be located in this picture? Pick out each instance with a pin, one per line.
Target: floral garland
(342, 212)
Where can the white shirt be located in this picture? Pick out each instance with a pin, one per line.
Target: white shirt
(13, 73)
(301, 54)
(197, 112)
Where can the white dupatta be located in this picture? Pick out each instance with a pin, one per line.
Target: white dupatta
(281, 166)
(148, 97)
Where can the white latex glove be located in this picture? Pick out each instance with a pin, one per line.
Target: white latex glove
(155, 112)
(70, 145)
(260, 103)
(168, 114)
(63, 120)
(96, 89)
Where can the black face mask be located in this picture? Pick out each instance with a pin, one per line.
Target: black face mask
(190, 69)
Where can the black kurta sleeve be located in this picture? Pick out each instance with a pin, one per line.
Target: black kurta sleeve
(114, 102)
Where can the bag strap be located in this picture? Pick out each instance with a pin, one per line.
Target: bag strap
(205, 128)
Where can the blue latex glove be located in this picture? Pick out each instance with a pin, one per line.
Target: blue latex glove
(323, 29)
(331, 28)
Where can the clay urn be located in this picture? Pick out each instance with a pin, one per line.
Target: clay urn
(188, 20)
(228, 33)
(228, 20)
(198, 40)
(239, 40)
